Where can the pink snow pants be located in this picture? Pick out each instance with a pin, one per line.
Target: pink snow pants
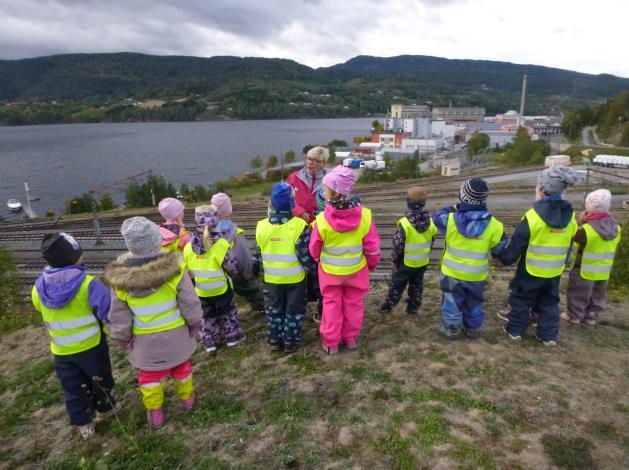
(343, 306)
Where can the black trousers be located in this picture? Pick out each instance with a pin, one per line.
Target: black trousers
(542, 294)
(87, 382)
(401, 277)
(250, 290)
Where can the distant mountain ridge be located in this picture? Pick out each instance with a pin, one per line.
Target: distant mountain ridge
(92, 86)
(493, 74)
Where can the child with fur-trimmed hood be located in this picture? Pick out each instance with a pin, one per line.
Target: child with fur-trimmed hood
(155, 314)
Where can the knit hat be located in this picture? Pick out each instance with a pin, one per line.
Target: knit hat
(170, 208)
(206, 216)
(341, 180)
(553, 181)
(282, 198)
(223, 205)
(474, 191)
(60, 249)
(141, 236)
(598, 202)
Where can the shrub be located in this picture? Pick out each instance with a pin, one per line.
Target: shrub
(620, 273)
(9, 283)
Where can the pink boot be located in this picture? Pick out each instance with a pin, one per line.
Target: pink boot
(188, 403)
(155, 418)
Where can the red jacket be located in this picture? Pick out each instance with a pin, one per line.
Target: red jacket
(305, 195)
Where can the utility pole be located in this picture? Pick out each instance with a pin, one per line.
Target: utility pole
(97, 234)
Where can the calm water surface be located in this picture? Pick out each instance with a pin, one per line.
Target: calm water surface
(61, 161)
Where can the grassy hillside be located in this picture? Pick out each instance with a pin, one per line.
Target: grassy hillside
(405, 400)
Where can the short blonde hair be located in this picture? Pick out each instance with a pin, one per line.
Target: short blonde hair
(320, 153)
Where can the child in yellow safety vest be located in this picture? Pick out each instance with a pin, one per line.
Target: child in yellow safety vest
(595, 247)
(244, 280)
(174, 234)
(282, 241)
(346, 245)
(540, 245)
(410, 255)
(74, 306)
(155, 314)
(472, 234)
(210, 261)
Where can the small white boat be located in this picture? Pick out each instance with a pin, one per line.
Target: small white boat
(14, 205)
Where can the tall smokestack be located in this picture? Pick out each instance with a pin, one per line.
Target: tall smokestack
(523, 97)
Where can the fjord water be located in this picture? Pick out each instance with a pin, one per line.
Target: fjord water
(61, 161)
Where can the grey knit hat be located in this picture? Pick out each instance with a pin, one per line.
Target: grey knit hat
(141, 236)
(553, 181)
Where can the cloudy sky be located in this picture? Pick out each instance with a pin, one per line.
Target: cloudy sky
(570, 34)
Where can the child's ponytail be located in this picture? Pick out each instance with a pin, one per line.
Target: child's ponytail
(207, 239)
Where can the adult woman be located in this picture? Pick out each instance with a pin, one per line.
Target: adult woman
(307, 183)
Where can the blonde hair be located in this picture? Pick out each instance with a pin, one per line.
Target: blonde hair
(207, 238)
(318, 152)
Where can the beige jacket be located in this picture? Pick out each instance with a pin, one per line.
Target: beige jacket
(140, 276)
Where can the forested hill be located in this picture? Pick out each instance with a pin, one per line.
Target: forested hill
(90, 87)
(491, 74)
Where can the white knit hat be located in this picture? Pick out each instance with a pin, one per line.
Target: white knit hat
(598, 201)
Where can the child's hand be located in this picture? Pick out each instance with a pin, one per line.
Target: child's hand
(496, 263)
(128, 345)
(194, 330)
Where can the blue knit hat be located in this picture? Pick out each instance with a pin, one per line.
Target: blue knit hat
(474, 191)
(282, 198)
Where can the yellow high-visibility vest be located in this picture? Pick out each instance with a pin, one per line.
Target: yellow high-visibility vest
(598, 255)
(547, 253)
(416, 244)
(207, 269)
(155, 312)
(279, 256)
(72, 328)
(342, 252)
(465, 258)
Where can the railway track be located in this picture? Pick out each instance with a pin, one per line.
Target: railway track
(387, 199)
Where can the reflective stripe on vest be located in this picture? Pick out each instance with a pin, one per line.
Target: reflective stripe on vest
(207, 269)
(277, 246)
(548, 247)
(598, 255)
(416, 244)
(342, 252)
(72, 328)
(467, 259)
(157, 311)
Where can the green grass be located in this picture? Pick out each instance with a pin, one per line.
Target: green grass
(14, 321)
(216, 408)
(573, 453)
(362, 372)
(306, 363)
(453, 397)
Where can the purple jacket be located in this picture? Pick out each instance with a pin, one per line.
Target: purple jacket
(240, 251)
(58, 286)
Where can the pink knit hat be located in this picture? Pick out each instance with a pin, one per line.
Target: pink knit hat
(223, 205)
(170, 208)
(341, 180)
